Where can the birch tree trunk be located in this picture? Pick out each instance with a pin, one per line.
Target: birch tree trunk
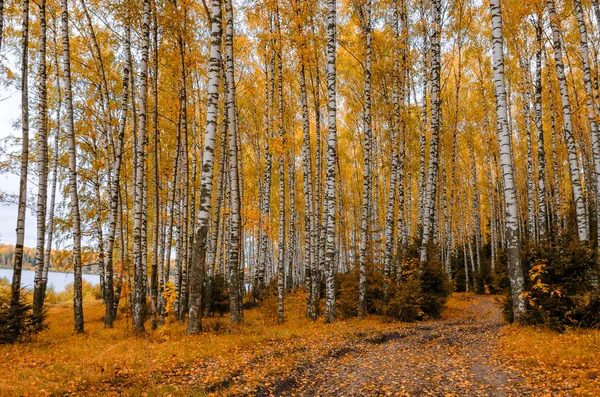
(309, 213)
(367, 172)
(114, 203)
(154, 288)
(430, 193)
(15, 298)
(234, 239)
(77, 283)
(587, 78)
(513, 241)
(264, 257)
(281, 243)
(541, 177)
(139, 293)
(329, 257)
(198, 263)
(579, 203)
(557, 196)
(391, 203)
(531, 229)
(50, 229)
(183, 99)
(42, 122)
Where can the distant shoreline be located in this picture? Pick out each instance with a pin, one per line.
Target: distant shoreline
(51, 270)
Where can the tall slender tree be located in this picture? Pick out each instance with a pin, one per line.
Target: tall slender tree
(235, 246)
(42, 123)
(139, 293)
(431, 188)
(206, 189)
(365, 13)
(579, 204)
(513, 240)
(330, 171)
(15, 298)
(72, 149)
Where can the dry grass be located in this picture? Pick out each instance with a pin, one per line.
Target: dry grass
(570, 359)
(167, 360)
(456, 304)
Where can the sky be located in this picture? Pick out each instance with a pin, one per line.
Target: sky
(10, 111)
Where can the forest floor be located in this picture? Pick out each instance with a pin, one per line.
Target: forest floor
(468, 352)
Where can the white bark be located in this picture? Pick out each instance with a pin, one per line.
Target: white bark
(513, 241)
(579, 203)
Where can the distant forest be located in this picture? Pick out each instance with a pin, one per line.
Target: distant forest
(61, 260)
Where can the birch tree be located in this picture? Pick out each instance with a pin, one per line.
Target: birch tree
(15, 298)
(233, 260)
(367, 158)
(513, 241)
(139, 298)
(42, 138)
(330, 171)
(74, 195)
(578, 199)
(206, 189)
(587, 78)
(430, 192)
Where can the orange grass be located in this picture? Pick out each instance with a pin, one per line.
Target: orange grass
(103, 360)
(571, 359)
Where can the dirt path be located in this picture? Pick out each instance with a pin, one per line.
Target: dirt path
(438, 358)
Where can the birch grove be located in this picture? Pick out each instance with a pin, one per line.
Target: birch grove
(204, 158)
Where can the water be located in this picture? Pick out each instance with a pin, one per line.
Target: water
(56, 280)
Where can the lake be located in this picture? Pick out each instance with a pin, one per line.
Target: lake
(56, 280)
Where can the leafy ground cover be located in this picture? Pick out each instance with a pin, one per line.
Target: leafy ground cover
(469, 351)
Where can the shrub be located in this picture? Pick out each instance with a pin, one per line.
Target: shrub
(18, 325)
(405, 297)
(561, 285)
(218, 300)
(435, 287)
(420, 292)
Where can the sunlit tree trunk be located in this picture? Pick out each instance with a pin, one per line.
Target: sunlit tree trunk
(367, 160)
(55, 155)
(139, 293)
(531, 230)
(430, 192)
(541, 176)
(475, 206)
(15, 298)
(587, 78)
(42, 138)
(281, 242)
(391, 199)
(329, 257)
(154, 288)
(74, 195)
(114, 202)
(513, 241)
(234, 239)
(264, 257)
(309, 213)
(292, 232)
(211, 255)
(558, 213)
(579, 203)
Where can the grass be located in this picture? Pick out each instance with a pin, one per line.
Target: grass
(570, 359)
(104, 361)
(228, 361)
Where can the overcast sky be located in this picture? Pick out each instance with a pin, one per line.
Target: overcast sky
(10, 111)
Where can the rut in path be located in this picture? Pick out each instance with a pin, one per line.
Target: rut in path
(436, 358)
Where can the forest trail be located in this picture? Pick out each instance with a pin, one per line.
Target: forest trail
(446, 357)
